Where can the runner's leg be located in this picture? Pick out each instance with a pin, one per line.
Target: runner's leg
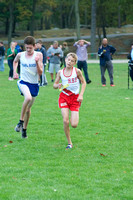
(74, 118)
(65, 115)
(27, 99)
(28, 112)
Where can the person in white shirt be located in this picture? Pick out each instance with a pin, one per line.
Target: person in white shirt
(70, 98)
(31, 66)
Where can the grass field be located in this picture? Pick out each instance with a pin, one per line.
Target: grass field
(99, 167)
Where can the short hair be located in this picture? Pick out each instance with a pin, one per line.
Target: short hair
(39, 41)
(65, 43)
(30, 40)
(73, 56)
(1, 42)
(55, 42)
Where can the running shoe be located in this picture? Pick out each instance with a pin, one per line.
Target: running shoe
(24, 133)
(89, 81)
(69, 146)
(19, 127)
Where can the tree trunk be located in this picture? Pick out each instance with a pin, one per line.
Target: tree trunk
(41, 23)
(70, 15)
(99, 35)
(104, 30)
(119, 18)
(14, 26)
(10, 22)
(47, 22)
(85, 16)
(93, 27)
(6, 26)
(77, 19)
(32, 23)
(61, 16)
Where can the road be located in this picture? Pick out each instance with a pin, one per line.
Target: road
(75, 38)
(97, 61)
(114, 61)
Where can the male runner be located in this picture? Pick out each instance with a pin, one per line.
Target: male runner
(69, 97)
(30, 67)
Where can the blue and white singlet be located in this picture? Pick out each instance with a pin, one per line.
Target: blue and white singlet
(28, 68)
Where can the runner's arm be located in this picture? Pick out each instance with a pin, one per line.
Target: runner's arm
(82, 80)
(15, 64)
(56, 83)
(39, 63)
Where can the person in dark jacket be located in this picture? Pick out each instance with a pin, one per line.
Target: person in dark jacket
(65, 50)
(130, 57)
(2, 56)
(105, 53)
(41, 48)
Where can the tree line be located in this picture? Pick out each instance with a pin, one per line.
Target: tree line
(34, 15)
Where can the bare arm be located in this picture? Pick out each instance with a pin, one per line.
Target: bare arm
(39, 63)
(11, 55)
(87, 42)
(15, 64)
(78, 42)
(81, 78)
(56, 83)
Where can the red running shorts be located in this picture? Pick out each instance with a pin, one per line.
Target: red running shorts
(70, 102)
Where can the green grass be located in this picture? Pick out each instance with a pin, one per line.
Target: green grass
(39, 168)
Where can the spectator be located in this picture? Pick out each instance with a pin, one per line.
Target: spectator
(105, 53)
(35, 48)
(40, 48)
(11, 53)
(21, 48)
(130, 57)
(65, 50)
(48, 59)
(55, 53)
(17, 47)
(2, 56)
(81, 52)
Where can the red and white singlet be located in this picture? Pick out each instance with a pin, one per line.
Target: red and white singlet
(72, 81)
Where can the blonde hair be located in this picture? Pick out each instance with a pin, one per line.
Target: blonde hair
(73, 56)
(12, 46)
